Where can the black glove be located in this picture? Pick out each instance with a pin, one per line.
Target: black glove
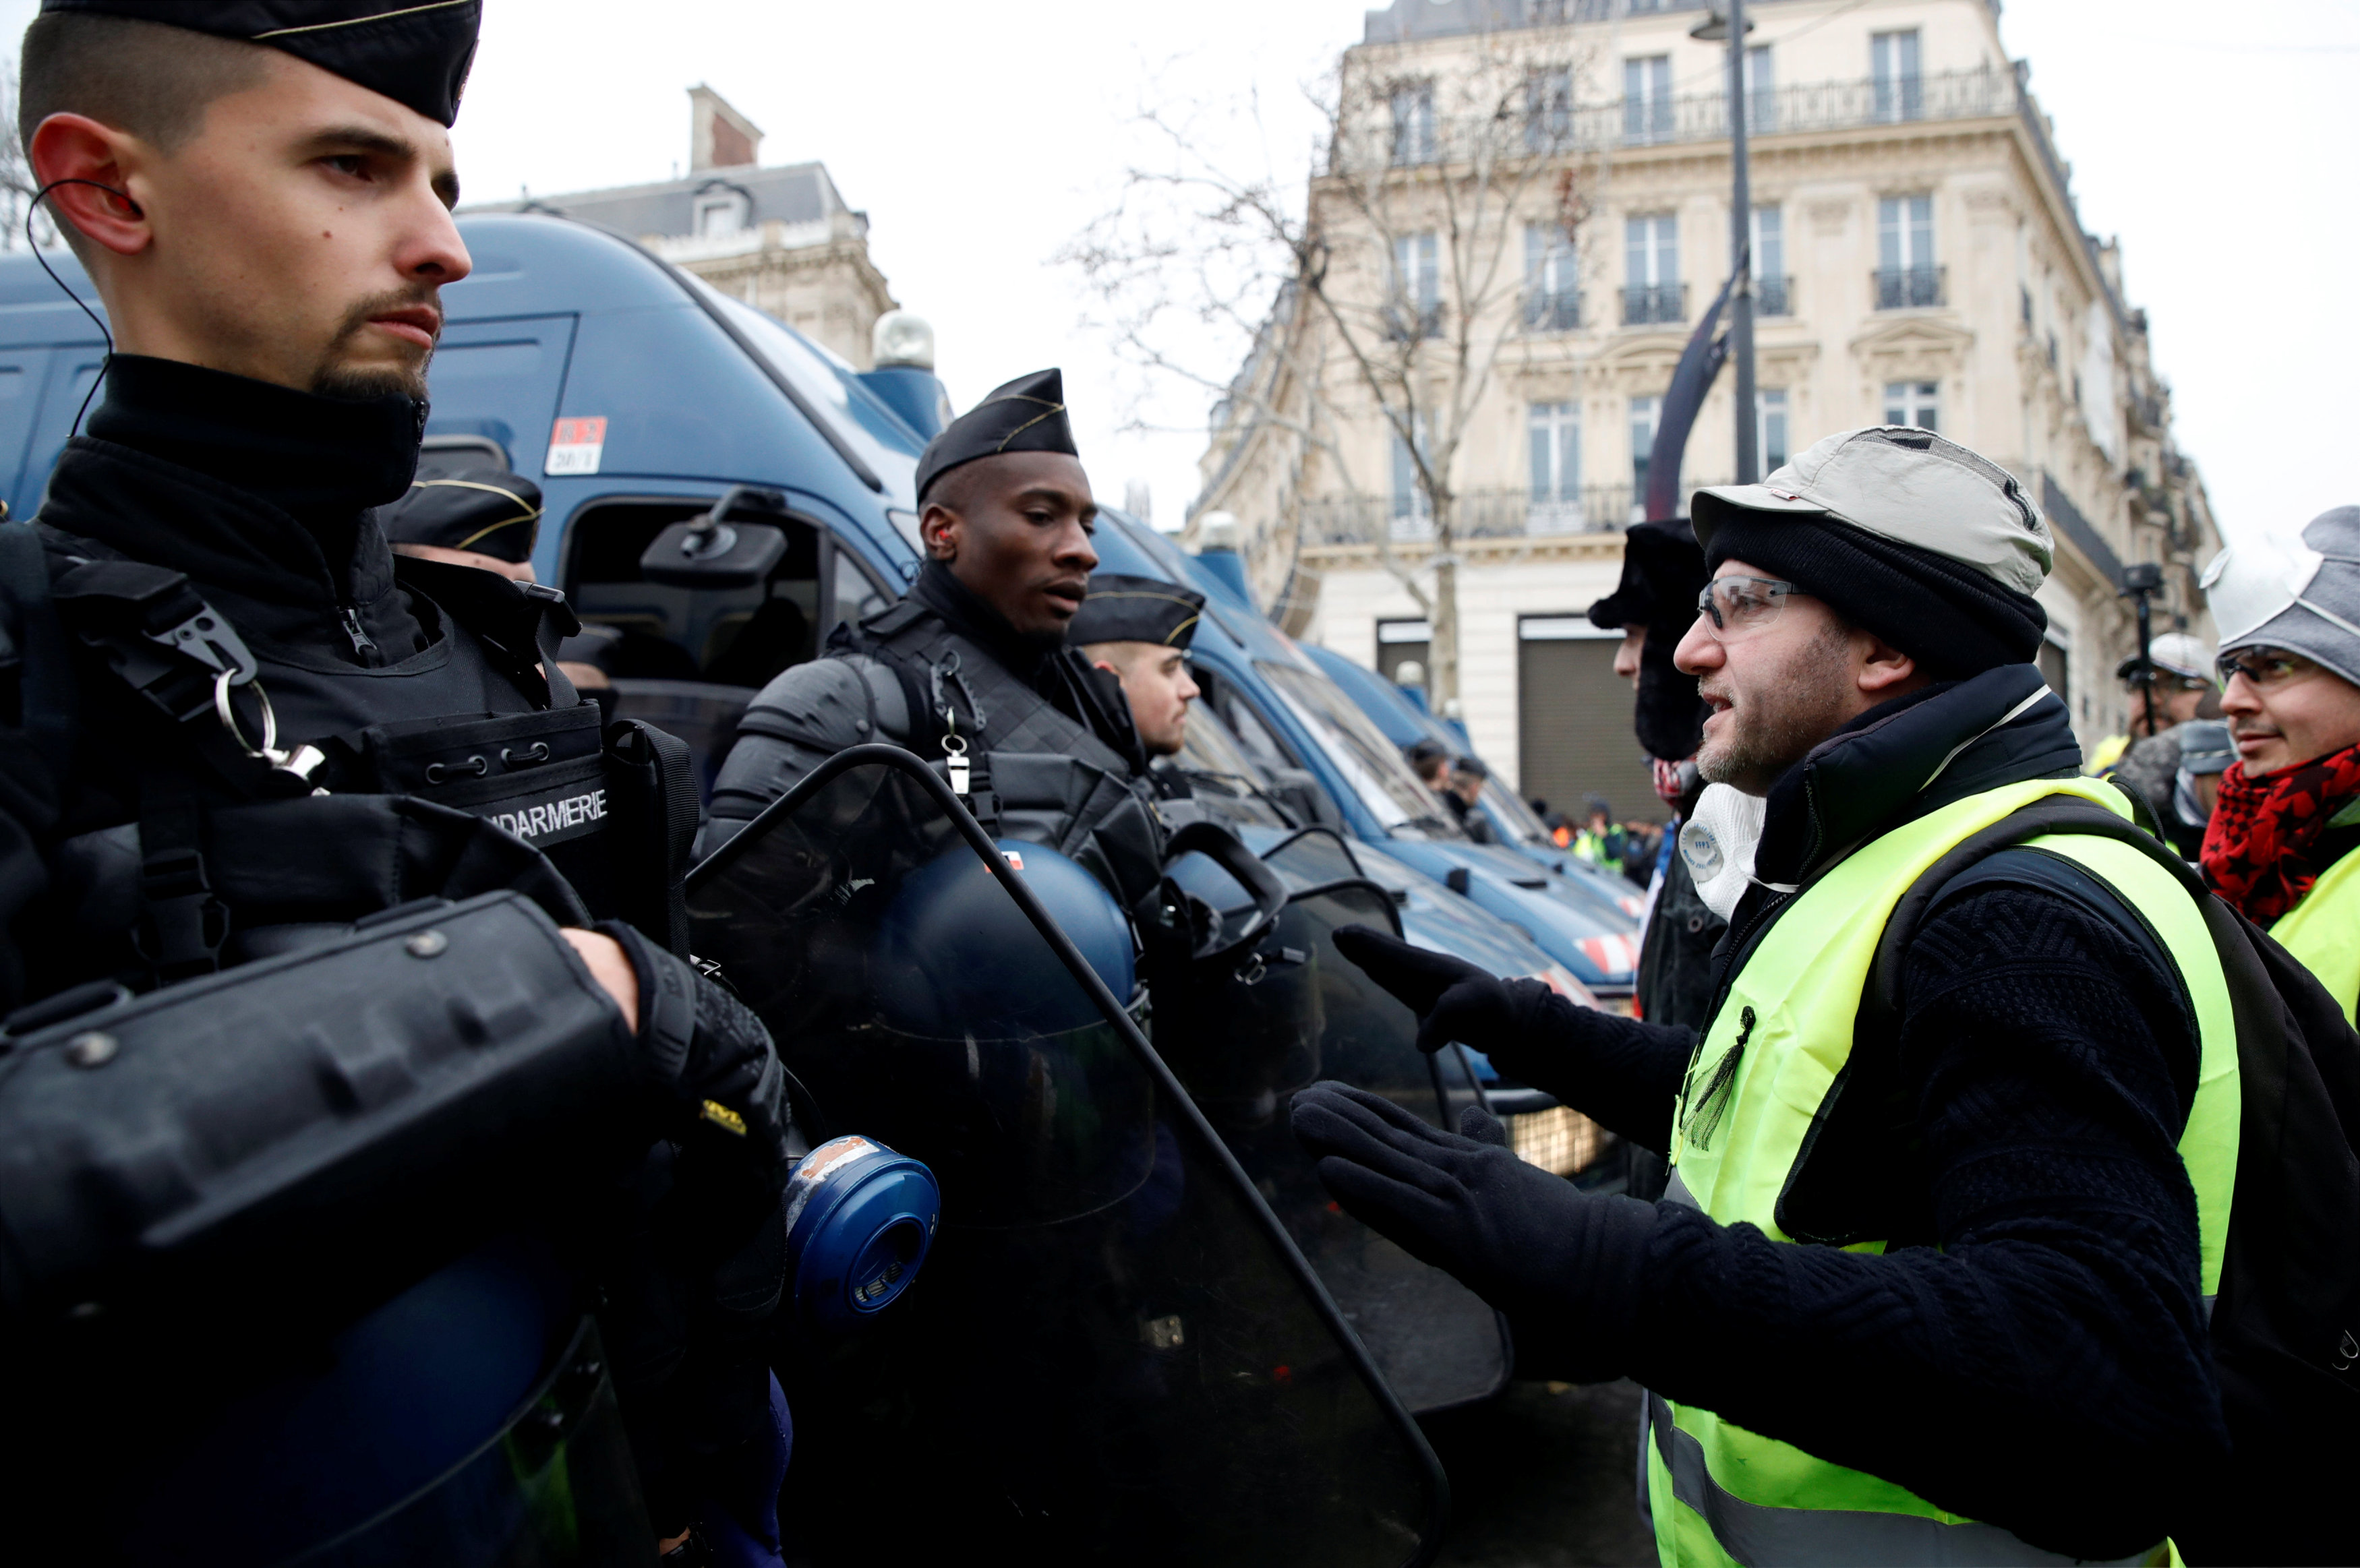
(708, 1052)
(1455, 1000)
(1563, 1265)
(1618, 1071)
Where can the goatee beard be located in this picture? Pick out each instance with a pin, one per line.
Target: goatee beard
(334, 379)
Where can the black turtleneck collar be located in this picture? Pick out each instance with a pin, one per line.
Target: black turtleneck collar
(263, 495)
(322, 460)
(939, 589)
(1050, 665)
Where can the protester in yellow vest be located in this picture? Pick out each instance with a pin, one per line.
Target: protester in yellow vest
(1928, 1283)
(2280, 840)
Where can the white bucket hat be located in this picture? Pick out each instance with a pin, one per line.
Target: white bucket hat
(2301, 593)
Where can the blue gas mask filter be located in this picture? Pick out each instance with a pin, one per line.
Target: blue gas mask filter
(859, 1221)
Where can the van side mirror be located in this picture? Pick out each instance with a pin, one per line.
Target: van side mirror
(711, 551)
(1295, 789)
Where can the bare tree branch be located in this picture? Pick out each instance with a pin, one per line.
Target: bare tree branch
(1377, 287)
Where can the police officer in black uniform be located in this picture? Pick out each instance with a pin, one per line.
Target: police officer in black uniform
(972, 669)
(482, 516)
(348, 1056)
(1139, 629)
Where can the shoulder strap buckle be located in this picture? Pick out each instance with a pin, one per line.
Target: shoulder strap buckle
(158, 633)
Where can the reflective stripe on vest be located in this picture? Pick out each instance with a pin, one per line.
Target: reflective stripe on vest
(2323, 932)
(1823, 1538)
(1721, 1494)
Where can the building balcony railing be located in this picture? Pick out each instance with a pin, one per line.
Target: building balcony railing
(1479, 514)
(1408, 324)
(1552, 309)
(1774, 296)
(1905, 288)
(1649, 303)
(1983, 93)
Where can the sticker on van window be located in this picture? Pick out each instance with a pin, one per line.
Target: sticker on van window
(576, 445)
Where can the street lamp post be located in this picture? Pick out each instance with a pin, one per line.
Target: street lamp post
(1734, 27)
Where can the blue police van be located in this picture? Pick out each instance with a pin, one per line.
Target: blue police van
(638, 398)
(1294, 717)
(1512, 821)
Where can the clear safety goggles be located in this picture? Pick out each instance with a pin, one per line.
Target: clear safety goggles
(1735, 607)
(2264, 666)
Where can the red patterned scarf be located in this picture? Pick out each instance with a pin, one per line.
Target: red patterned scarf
(2259, 848)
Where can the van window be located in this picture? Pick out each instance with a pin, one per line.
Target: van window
(1370, 763)
(1254, 738)
(729, 637)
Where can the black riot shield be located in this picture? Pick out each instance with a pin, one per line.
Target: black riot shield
(1244, 1033)
(1114, 1352)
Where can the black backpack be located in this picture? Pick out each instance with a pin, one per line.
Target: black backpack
(2286, 1324)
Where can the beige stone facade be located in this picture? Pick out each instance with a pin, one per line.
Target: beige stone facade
(1919, 260)
(780, 238)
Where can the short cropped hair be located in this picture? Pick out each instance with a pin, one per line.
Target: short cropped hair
(152, 80)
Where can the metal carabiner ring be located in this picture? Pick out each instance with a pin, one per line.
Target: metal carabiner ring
(268, 751)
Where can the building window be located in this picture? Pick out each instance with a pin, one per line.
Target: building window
(1647, 99)
(1414, 140)
(1905, 273)
(1913, 403)
(1644, 412)
(1554, 435)
(1549, 109)
(1773, 289)
(1893, 73)
(1417, 308)
(720, 214)
(1770, 426)
(1651, 275)
(1413, 513)
(1552, 294)
(1761, 91)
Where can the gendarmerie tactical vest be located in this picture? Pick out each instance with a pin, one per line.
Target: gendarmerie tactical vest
(229, 842)
(1026, 768)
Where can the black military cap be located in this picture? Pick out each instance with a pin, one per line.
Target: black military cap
(1026, 415)
(1136, 609)
(415, 54)
(488, 510)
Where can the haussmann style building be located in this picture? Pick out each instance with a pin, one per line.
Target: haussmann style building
(781, 238)
(1917, 257)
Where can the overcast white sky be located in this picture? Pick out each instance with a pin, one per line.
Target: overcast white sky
(980, 137)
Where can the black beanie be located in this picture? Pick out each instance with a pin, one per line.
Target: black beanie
(1953, 619)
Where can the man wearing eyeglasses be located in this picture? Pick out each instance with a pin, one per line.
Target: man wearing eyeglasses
(2147, 761)
(2287, 817)
(1927, 1280)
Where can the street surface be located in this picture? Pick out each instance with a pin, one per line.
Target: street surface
(1542, 1478)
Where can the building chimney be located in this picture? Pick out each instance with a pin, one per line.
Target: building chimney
(718, 135)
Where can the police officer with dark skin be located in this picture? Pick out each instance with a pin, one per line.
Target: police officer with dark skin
(228, 717)
(972, 669)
